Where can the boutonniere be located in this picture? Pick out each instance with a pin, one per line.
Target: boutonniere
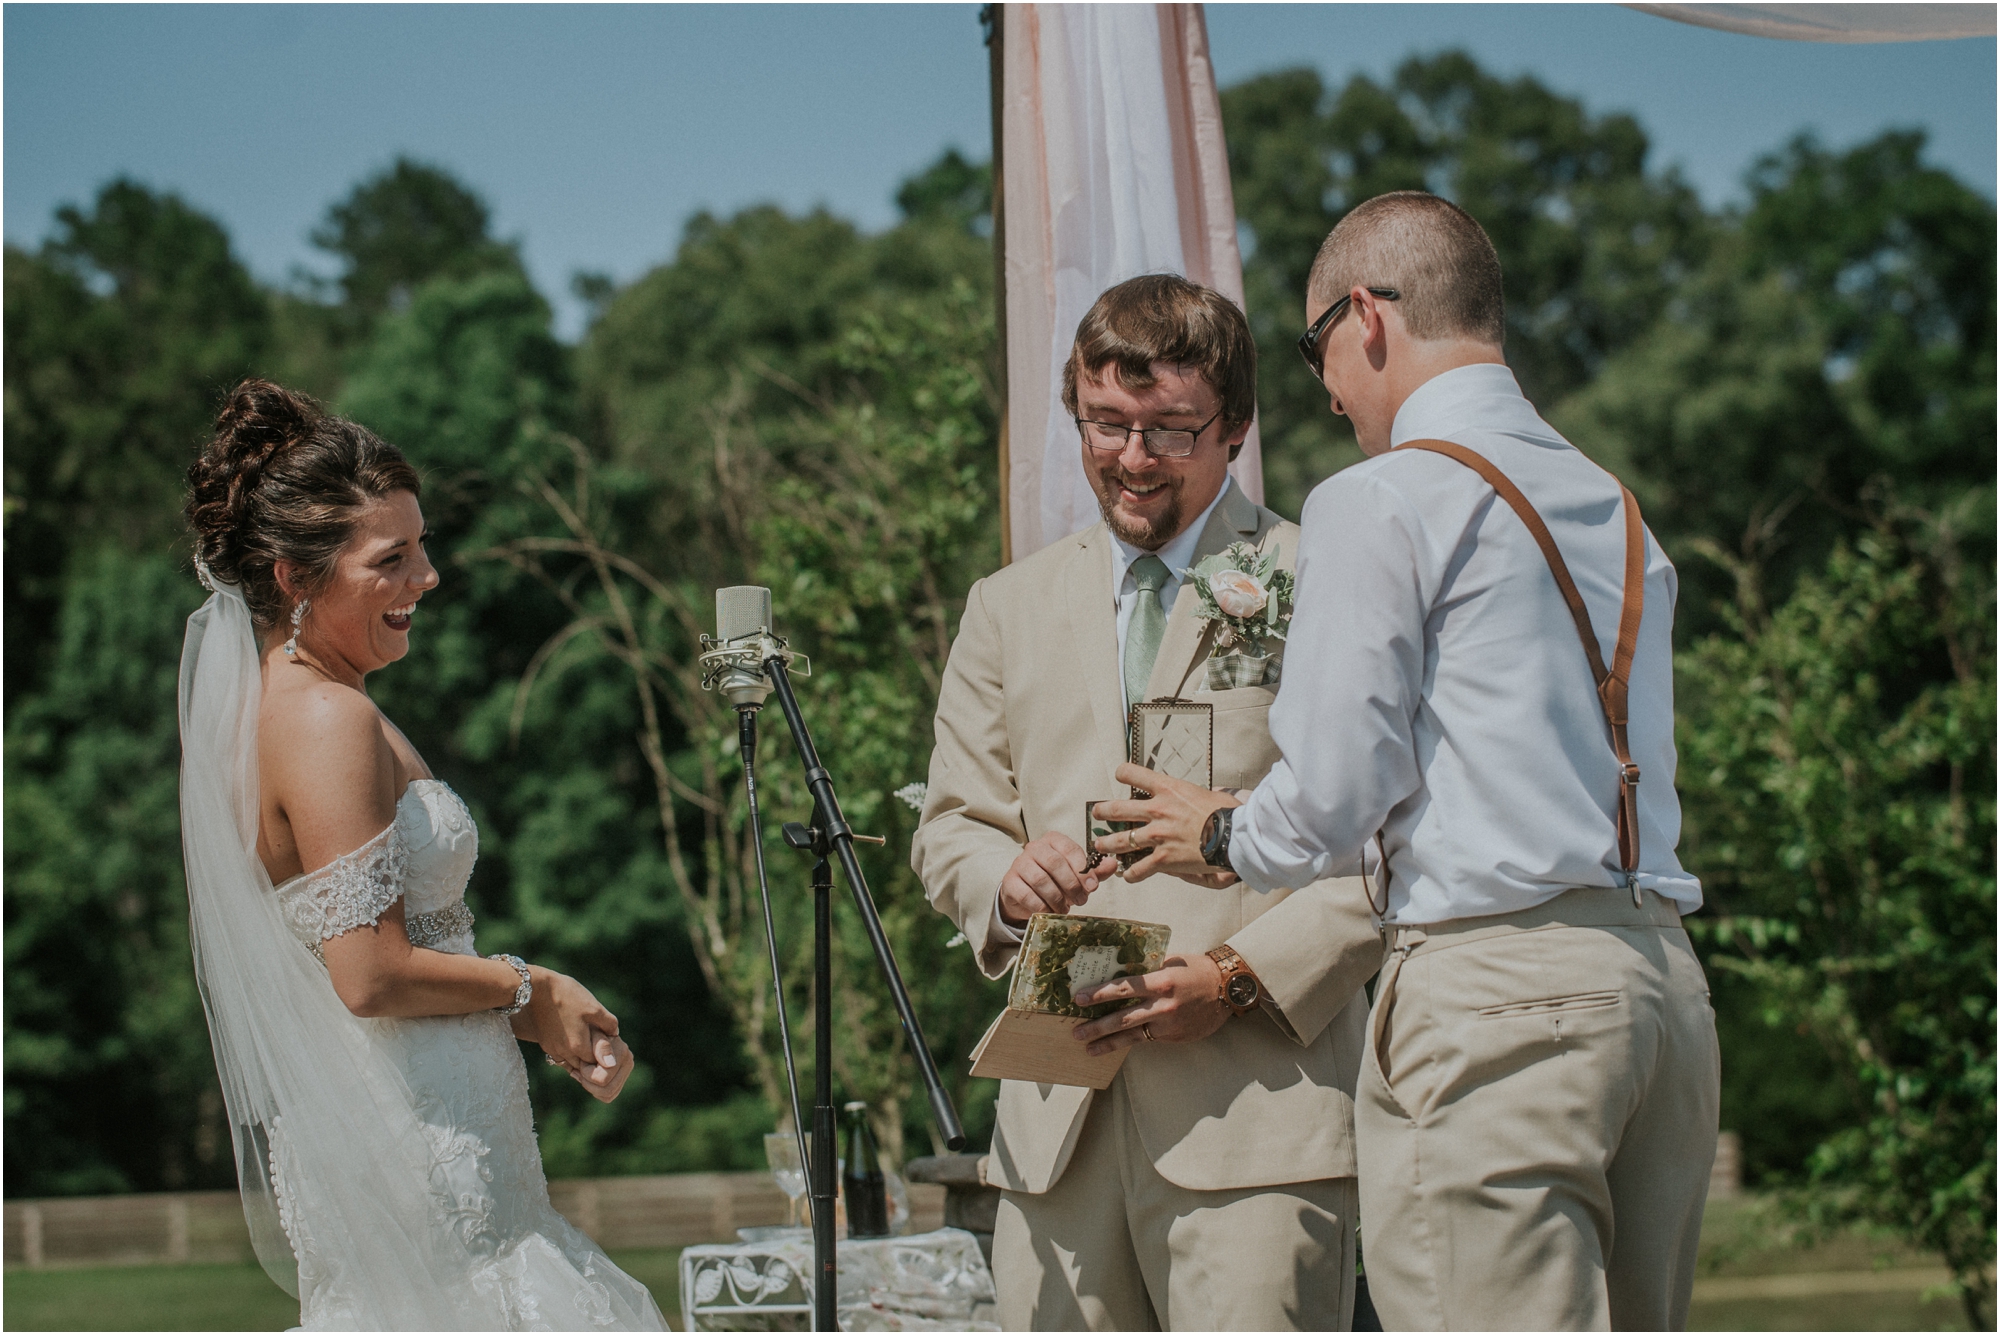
(1249, 599)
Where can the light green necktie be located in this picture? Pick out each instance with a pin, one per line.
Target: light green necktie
(1146, 628)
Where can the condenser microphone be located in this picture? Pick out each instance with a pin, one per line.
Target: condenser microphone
(742, 624)
(740, 610)
(743, 643)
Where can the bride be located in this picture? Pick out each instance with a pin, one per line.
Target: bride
(377, 1099)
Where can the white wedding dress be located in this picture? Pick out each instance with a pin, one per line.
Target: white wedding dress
(389, 1169)
(470, 1091)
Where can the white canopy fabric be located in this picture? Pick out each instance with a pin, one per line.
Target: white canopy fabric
(1112, 166)
(1837, 23)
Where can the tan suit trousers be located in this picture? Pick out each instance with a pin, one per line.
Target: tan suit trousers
(1536, 1119)
(1115, 1246)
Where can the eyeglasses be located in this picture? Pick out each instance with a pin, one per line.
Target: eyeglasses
(1309, 341)
(1161, 442)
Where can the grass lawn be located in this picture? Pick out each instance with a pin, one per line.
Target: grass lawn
(1843, 1311)
(1748, 1282)
(218, 1297)
(1749, 1279)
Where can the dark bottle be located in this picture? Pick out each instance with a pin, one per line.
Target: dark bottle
(861, 1182)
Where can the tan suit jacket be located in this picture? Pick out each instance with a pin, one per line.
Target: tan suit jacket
(1030, 726)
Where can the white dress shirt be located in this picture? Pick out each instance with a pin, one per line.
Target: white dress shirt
(1178, 555)
(1434, 686)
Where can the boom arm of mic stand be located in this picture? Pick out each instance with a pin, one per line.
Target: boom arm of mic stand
(837, 829)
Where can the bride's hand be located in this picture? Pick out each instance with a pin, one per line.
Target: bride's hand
(565, 1019)
(605, 1077)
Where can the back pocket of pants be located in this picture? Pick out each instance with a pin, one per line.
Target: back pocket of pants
(1576, 1001)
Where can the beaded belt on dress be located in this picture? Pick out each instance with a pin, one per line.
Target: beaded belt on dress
(426, 930)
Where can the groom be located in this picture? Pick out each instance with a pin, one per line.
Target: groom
(1212, 1186)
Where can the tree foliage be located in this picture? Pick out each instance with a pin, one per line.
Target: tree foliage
(110, 1086)
(1771, 381)
(1591, 244)
(120, 330)
(570, 871)
(808, 409)
(1840, 337)
(868, 513)
(401, 228)
(1837, 767)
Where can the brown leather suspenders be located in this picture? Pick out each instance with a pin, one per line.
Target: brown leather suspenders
(1614, 683)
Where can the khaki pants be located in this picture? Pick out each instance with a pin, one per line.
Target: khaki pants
(1536, 1120)
(1115, 1246)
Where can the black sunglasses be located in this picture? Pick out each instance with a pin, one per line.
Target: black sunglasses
(1309, 341)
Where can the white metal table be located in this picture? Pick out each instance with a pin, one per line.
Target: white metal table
(928, 1281)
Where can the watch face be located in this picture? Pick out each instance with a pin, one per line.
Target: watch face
(1241, 990)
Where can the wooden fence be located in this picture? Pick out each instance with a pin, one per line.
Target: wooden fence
(179, 1228)
(672, 1210)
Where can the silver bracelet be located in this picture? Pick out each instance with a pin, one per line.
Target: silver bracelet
(524, 992)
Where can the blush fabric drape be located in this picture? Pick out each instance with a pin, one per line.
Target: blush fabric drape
(1113, 166)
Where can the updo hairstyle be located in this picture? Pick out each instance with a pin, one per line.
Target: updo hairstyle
(284, 480)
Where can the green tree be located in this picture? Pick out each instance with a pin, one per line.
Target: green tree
(778, 367)
(470, 380)
(1837, 773)
(1590, 242)
(110, 1085)
(953, 191)
(123, 330)
(869, 513)
(403, 227)
(1841, 338)
(749, 306)
(394, 232)
(750, 312)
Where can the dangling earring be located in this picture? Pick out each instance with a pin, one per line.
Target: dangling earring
(298, 615)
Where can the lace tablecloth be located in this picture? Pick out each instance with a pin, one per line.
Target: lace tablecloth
(929, 1281)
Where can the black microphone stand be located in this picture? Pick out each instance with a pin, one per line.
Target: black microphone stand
(826, 811)
(746, 746)
(826, 1279)
(830, 835)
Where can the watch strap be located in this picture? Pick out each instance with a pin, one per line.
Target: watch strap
(1233, 966)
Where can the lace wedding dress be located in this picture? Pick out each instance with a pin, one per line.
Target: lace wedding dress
(390, 1172)
(470, 1092)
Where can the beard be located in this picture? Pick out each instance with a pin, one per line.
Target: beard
(1145, 534)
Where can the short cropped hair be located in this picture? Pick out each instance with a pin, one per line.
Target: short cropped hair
(1165, 318)
(1430, 250)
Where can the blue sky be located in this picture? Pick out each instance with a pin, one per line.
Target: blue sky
(594, 131)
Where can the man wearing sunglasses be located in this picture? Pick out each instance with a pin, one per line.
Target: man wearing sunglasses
(1211, 1186)
(1536, 1118)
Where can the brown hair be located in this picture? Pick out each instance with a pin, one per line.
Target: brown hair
(1429, 249)
(1165, 318)
(284, 480)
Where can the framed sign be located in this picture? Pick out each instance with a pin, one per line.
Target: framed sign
(1175, 738)
(1171, 737)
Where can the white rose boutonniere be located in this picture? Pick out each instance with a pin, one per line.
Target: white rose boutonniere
(1250, 599)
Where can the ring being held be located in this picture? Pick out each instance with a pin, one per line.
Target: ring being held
(1168, 827)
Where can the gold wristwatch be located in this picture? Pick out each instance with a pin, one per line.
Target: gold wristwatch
(1241, 989)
